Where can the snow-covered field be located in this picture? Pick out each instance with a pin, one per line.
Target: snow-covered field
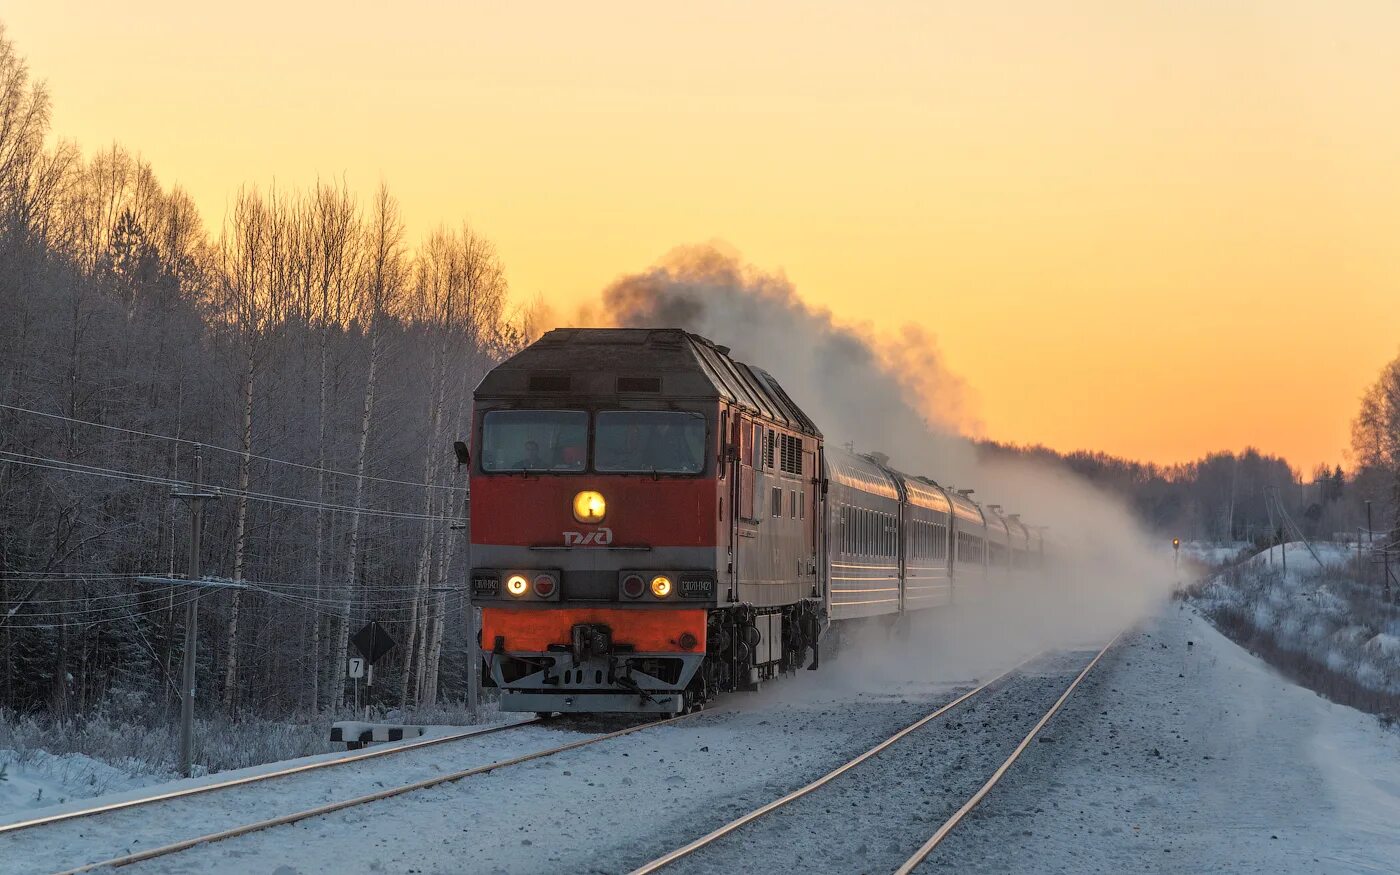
(1181, 752)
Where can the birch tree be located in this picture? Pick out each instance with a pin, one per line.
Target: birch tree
(381, 285)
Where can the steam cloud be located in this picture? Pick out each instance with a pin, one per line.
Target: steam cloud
(895, 395)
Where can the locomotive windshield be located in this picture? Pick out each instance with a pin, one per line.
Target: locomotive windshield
(534, 440)
(663, 442)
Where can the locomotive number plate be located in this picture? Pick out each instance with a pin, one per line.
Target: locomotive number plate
(486, 586)
(697, 589)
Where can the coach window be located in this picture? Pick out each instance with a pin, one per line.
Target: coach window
(534, 440)
(650, 442)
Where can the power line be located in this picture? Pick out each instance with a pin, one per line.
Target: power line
(166, 437)
(66, 466)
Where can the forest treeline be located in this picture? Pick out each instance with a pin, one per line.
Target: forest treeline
(1223, 496)
(325, 366)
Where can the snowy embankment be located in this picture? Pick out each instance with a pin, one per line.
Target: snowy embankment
(1320, 623)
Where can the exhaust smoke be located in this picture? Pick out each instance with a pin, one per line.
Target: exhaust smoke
(894, 394)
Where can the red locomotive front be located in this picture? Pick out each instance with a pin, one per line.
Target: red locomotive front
(604, 484)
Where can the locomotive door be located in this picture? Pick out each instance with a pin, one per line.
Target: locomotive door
(733, 463)
(748, 443)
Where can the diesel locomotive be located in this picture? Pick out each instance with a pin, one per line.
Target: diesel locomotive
(654, 523)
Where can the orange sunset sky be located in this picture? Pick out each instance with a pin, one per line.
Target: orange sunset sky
(1150, 228)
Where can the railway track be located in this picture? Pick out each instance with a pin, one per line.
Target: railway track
(293, 817)
(914, 860)
(244, 780)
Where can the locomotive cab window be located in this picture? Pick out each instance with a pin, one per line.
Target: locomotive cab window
(534, 440)
(649, 442)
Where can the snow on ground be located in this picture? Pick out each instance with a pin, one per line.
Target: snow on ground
(1184, 753)
(1300, 558)
(872, 818)
(590, 808)
(88, 840)
(32, 780)
(1212, 554)
(1171, 757)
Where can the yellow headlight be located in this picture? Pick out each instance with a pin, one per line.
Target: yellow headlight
(517, 585)
(661, 586)
(589, 507)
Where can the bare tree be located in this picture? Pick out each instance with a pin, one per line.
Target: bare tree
(1375, 435)
(381, 285)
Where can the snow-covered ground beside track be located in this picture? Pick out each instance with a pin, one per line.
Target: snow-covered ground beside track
(1168, 758)
(1182, 752)
(86, 840)
(37, 780)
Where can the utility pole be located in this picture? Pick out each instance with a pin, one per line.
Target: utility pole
(1385, 558)
(196, 498)
(464, 458)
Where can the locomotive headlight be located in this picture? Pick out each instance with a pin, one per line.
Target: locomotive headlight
(589, 506)
(661, 586)
(517, 585)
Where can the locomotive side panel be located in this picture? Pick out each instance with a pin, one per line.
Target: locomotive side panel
(775, 544)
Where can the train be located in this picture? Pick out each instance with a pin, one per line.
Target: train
(654, 523)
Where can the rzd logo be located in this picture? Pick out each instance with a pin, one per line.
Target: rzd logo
(601, 538)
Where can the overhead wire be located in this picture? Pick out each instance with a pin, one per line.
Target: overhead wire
(251, 455)
(63, 465)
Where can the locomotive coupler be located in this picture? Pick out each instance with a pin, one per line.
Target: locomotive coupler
(589, 640)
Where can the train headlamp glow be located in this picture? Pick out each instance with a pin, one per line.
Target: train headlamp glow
(517, 585)
(661, 586)
(589, 506)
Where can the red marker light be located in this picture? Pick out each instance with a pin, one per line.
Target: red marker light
(544, 586)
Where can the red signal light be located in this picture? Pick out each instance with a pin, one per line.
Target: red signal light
(544, 586)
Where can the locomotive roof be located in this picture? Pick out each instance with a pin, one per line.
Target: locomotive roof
(637, 363)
